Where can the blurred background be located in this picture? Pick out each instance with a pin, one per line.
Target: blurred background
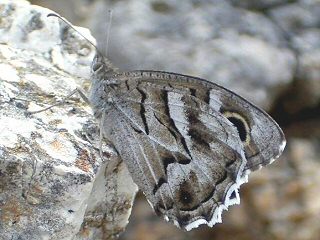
(267, 51)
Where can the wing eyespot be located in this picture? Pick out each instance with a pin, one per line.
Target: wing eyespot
(241, 125)
(185, 197)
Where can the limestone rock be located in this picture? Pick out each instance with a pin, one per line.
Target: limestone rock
(258, 48)
(54, 184)
(301, 22)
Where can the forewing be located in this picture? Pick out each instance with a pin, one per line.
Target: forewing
(186, 158)
(262, 139)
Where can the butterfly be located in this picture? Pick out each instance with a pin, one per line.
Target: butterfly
(188, 143)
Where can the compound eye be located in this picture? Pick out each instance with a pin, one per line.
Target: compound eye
(96, 66)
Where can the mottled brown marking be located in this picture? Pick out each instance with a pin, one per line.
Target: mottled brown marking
(83, 161)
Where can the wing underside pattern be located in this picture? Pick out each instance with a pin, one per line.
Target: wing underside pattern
(184, 146)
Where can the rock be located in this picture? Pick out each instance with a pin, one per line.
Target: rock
(300, 21)
(261, 49)
(54, 184)
(259, 5)
(291, 210)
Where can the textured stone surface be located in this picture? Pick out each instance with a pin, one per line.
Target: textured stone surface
(54, 184)
(260, 49)
(301, 22)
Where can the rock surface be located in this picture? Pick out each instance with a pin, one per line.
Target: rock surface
(54, 184)
(266, 50)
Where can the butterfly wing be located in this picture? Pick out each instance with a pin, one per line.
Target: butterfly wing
(262, 139)
(188, 143)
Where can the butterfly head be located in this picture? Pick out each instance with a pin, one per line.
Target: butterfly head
(101, 68)
(98, 66)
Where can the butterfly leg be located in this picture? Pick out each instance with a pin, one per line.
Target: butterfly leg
(101, 133)
(77, 90)
(82, 95)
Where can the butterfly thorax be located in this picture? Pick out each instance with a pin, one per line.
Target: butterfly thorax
(103, 85)
(102, 96)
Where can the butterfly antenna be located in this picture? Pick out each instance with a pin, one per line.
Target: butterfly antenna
(70, 25)
(108, 30)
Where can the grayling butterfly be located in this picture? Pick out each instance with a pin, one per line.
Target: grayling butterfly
(188, 143)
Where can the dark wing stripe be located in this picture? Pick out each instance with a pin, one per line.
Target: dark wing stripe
(236, 154)
(193, 92)
(143, 110)
(188, 108)
(159, 184)
(127, 85)
(164, 96)
(161, 180)
(202, 94)
(136, 129)
(199, 133)
(173, 133)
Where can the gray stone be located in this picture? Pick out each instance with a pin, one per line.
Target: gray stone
(257, 48)
(54, 184)
(300, 22)
(260, 5)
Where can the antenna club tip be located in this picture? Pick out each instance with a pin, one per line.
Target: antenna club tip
(52, 15)
(70, 25)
